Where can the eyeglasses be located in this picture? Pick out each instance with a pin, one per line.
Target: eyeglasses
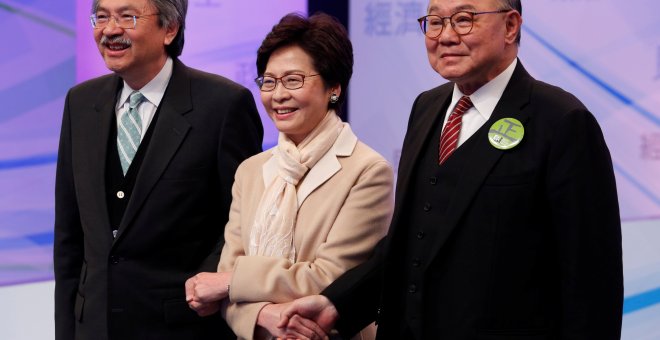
(462, 22)
(290, 81)
(124, 21)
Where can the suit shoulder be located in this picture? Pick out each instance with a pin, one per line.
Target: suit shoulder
(369, 157)
(430, 97)
(555, 98)
(215, 80)
(436, 91)
(255, 161)
(91, 87)
(554, 106)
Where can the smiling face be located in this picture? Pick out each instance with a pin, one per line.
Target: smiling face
(296, 112)
(137, 55)
(473, 59)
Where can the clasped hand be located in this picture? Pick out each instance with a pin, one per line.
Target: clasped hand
(204, 292)
(314, 316)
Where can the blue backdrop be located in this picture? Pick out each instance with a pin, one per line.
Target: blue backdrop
(605, 53)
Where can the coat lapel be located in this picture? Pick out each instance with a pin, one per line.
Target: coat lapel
(170, 131)
(484, 156)
(329, 164)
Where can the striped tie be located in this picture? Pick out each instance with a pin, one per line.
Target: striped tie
(449, 138)
(129, 132)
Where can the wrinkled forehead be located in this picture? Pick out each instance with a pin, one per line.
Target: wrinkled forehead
(122, 5)
(447, 7)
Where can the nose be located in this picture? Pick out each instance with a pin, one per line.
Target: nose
(112, 27)
(280, 93)
(448, 35)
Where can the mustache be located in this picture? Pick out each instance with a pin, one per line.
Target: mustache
(115, 40)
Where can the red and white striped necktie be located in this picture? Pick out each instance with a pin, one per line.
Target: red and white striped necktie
(449, 137)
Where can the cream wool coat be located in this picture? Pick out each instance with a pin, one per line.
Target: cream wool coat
(345, 206)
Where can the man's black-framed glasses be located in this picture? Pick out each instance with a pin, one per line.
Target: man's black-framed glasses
(124, 21)
(462, 22)
(289, 81)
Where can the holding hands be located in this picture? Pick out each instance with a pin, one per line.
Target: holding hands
(310, 317)
(313, 314)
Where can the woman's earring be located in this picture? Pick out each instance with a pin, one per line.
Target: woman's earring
(334, 98)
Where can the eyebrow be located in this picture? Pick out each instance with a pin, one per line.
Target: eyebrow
(119, 10)
(286, 73)
(456, 9)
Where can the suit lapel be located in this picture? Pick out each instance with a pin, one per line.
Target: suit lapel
(170, 131)
(484, 156)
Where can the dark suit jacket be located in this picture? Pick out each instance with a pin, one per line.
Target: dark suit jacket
(531, 247)
(132, 287)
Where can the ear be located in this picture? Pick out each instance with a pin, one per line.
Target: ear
(513, 26)
(335, 89)
(170, 34)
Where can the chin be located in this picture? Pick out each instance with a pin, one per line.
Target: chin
(113, 67)
(450, 73)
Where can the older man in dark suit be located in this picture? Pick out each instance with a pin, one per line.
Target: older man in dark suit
(146, 162)
(506, 223)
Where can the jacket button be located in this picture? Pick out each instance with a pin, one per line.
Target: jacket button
(427, 207)
(433, 180)
(120, 194)
(420, 235)
(412, 288)
(416, 262)
(114, 259)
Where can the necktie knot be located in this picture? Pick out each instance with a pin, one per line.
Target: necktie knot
(135, 99)
(463, 105)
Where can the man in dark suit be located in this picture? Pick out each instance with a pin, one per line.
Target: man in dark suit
(513, 234)
(146, 162)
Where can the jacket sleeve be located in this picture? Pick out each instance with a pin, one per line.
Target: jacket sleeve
(587, 230)
(240, 138)
(68, 239)
(356, 294)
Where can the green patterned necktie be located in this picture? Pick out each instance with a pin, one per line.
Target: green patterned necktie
(129, 131)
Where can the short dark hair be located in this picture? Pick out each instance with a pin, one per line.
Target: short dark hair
(170, 13)
(323, 38)
(516, 5)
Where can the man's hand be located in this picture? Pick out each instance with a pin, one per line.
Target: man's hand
(269, 318)
(205, 290)
(314, 308)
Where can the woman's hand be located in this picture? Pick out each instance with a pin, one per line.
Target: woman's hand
(205, 290)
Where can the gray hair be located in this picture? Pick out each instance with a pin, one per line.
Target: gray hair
(515, 5)
(171, 13)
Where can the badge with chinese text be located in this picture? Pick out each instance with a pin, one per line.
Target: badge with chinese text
(506, 133)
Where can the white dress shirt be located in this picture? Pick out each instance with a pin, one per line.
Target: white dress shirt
(484, 99)
(153, 93)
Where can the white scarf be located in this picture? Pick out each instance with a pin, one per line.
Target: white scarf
(275, 219)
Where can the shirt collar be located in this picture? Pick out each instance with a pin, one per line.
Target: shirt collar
(155, 89)
(486, 97)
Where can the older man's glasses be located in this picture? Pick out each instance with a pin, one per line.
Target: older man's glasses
(290, 81)
(462, 22)
(125, 21)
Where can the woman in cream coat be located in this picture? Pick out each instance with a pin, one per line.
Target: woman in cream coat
(312, 207)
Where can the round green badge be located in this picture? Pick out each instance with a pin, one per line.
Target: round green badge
(506, 133)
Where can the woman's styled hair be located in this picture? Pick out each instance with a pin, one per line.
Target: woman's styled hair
(323, 38)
